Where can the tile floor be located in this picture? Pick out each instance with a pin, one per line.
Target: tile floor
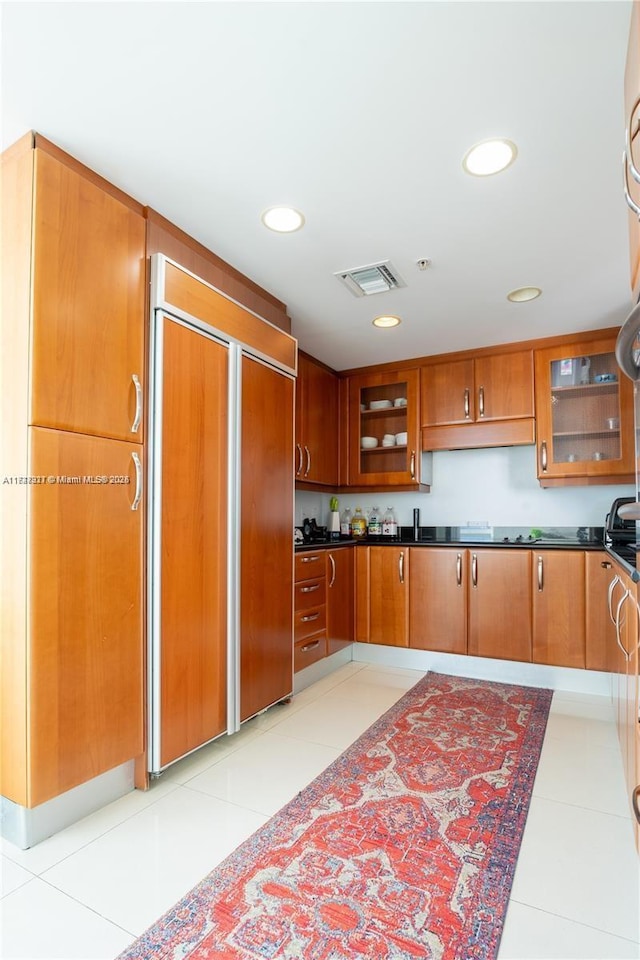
(90, 890)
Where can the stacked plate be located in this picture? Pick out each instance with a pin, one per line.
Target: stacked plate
(380, 404)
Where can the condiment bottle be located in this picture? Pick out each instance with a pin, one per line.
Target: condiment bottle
(389, 524)
(345, 523)
(358, 524)
(375, 522)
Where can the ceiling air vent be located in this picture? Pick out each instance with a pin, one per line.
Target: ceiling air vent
(374, 278)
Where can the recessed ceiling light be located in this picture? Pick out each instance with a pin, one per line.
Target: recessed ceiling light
(386, 321)
(522, 294)
(490, 156)
(283, 219)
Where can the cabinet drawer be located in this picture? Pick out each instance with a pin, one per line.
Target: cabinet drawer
(309, 593)
(310, 621)
(308, 651)
(310, 565)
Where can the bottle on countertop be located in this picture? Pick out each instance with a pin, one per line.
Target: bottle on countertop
(345, 523)
(390, 523)
(358, 524)
(375, 522)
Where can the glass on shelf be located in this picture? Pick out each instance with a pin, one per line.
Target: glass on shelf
(585, 409)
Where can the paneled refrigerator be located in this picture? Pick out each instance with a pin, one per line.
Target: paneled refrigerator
(220, 515)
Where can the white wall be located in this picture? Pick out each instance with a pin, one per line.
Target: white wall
(498, 485)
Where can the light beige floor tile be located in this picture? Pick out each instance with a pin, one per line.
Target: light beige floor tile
(12, 876)
(531, 934)
(56, 848)
(585, 776)
(586, 731)
(142, 867)
(581, 865)
(338, 718)
(583, 705)
(200, 760)
(266, 773)
(38, 922)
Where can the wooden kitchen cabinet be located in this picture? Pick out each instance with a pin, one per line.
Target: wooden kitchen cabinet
(317, 432)
(558, 612)
(500, 604)
(438, 599)
(478, 402)
(385, 403)
(310, 609)
(584, 415)
(600, 632)
(340, 573)
(86, 244)
(389, 596)
(72, 672)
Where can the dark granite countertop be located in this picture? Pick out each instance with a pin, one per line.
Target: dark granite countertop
(539, 538)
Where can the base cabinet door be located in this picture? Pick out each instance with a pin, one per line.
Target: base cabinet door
(438, 584)
(600, 631)
(558, 607)
(389, 596)
(85, 688)
(500, 604)
(340, 598)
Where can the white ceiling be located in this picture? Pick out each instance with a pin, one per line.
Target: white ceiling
(358, 114)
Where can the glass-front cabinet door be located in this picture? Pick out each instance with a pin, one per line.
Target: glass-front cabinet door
(384, 429)
(584, 414)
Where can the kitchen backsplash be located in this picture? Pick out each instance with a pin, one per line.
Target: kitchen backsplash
(498, 485)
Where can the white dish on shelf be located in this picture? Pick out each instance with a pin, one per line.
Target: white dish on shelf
(368, 443)
(400, 402)
(401, 439)
(380, 404)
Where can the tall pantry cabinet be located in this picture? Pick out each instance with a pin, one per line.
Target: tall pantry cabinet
(73, 365)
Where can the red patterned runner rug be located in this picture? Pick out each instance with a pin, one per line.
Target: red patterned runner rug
(404, 848)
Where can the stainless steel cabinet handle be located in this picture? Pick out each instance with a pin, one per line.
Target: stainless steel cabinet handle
(138, 414)
(401, 566)
(310, 646)
(309, 618)
(466, 404)
(474, 570)
(481, 401)
(333, 570)
(619, 623)
(625, 182)
(310, 559)
(635, 802)
(459, 570)
(300, 459)
(306, 450)
(635, 603)
(540, 575)
(412, 465)
(315, 586)
(635, 173)
(543, 456)
(138, 494)
(612, 586)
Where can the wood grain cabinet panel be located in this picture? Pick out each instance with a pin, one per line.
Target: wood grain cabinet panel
(500, 604)
(558, 607)
(389, 596)
(600, 631)
(438, 585)
(85, 612)
(88, 306)
(340, 598)
(317, 432)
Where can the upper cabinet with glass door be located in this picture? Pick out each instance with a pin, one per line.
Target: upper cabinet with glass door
(384, 430)
(584, 415)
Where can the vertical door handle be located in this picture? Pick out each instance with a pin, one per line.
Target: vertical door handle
(459, 570)
(481, 401)
(540, 575)
(618, 624)
(300, 456)
(474, 570)
(635, 173)
(412, 465)
(612, 587)
(138, 494)
(137, 417)
(635, 800)
(333, 570)
(625, 173)
(401, 566)
(306, 450)
(543, 456)
(466, 404)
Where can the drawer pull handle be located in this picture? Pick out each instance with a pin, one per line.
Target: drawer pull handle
(310, 646)
(315, 586)
(309, 617)
(138, 494)
(309, 559)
